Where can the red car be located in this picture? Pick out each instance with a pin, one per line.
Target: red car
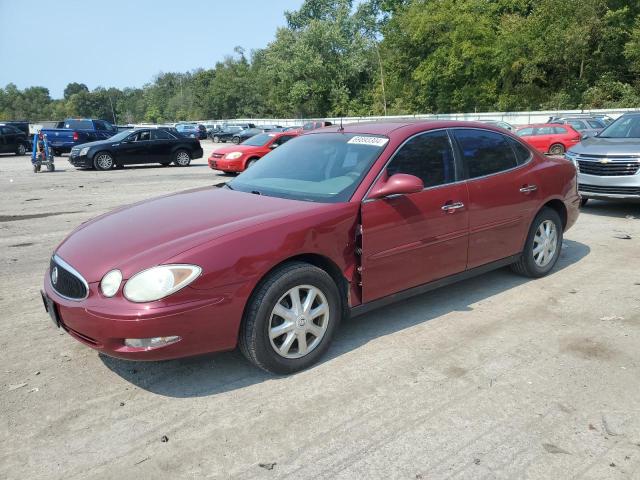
(336, 223)
(240, 157)
(551, 138)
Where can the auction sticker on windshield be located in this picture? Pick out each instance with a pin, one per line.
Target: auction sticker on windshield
(373, 141)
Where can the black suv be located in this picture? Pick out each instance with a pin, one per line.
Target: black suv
(13, 140)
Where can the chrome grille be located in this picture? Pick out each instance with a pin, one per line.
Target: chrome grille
(609, 165)
(66, 280)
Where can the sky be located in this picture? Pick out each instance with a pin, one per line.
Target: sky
(119, 43)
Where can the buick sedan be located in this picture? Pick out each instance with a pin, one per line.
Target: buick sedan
(333, 223)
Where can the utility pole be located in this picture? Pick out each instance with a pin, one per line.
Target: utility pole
(384, 97)
(113, 112)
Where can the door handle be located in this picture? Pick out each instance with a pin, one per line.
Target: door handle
(452, 207)
(528, 188)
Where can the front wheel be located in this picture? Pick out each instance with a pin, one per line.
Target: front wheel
(252, 162)
(235, 140)
(290, 318)
(542, 248)
(556, 149)
(182, 158)
(21, 150)
(51, 167)
(103, 161)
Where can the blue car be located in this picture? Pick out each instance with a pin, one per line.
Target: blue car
(192, 130)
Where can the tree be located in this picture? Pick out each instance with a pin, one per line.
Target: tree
(73, 88)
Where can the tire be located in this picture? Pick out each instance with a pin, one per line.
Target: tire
(235, 140)
(103, 161)
(36, 168)
(21, 150)
(251, 163)
(535, 267)
(51, 167)
(182, 158)
(279, 288)
(216, 139)
(583, 202)
(556, 149)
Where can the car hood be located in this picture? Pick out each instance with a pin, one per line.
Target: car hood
(608, 146)
(149, 233)
(237, 148)
(97, 143)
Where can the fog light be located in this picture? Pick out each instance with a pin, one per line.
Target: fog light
(149, 343)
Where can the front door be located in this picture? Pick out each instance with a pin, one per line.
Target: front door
(503, 193)
(409, 240)
(135, 149)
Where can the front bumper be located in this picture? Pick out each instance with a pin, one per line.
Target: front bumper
(81, 161)
(619, 187)
(226, 165)
(204, 323)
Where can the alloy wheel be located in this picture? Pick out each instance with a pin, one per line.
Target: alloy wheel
(298, 321)
(104, 161)
(183, 159)
(545, 243)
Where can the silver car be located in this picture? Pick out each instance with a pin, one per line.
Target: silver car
(609, 163)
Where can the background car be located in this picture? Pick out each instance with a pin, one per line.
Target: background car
(77, 131)
(192, 130)
(314, 124)
(142, 145)
(587, 126)
(239, 158)
(551, 138)
(243, 135)
(609, 164)
(226, 133)
(13, 140)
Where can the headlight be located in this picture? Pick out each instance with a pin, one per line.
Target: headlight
(573, 157)
(158, 282)
(233, 155)
(111, 283)
(84, 151)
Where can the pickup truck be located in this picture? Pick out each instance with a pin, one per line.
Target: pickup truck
(76, 131)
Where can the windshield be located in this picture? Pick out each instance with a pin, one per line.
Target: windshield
(623, 127)
(325, 167)
(258, 140)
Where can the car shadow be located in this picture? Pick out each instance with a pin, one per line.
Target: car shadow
(612, 208)
(216, 373)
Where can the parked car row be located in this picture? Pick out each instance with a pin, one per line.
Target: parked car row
(13, 140)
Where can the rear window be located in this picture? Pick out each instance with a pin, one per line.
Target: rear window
(522, 153)
(485, 152)
(79, 124)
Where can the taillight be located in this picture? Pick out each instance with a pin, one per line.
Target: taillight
(76, 137)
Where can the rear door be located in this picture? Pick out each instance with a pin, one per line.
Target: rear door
(160, 146)
(3, 140)
(503, 193)
(409, 240)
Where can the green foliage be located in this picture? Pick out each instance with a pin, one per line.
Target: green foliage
(341, 57)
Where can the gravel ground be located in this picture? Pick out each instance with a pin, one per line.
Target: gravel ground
(495, 377)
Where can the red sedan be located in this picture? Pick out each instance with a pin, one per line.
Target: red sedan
(336, 223)
(240, 157)
(551, 138)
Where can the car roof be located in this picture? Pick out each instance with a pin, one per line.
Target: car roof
(536, 125)
(388, 127)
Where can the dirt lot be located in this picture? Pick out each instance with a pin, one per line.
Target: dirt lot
(495, 377)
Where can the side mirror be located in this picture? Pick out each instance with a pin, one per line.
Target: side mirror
(398, 184)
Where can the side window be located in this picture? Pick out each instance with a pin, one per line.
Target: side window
(577, 124)
(144, 136)
(283, 139)
(99, 125)
(522, 153)
(160, 135)
(594, 124)
(545, 131)
(428, 156)
(525, 132)
(484, 152)
(559, 130)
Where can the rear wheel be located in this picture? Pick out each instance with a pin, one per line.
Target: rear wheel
(103, 161)
(542, 248)
(21, 150)
(216, 139)
(235, 140)
(51, 167)
(291, 318)
(556, 149)
(182, 158)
